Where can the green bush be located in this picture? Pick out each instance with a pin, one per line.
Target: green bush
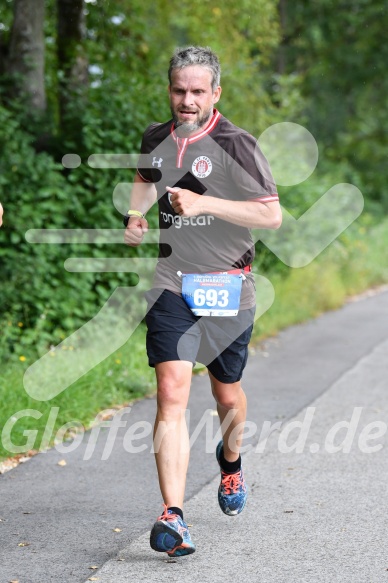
(40, 301)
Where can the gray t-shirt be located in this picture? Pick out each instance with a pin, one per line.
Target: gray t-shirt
(223, 161)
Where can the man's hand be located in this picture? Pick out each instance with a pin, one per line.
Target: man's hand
(135, 230)
(185, 202)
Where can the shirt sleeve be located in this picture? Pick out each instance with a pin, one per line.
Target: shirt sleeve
(250, 171)
(144, 166)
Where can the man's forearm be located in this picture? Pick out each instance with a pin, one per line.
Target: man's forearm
(143, 195)
(251, 214)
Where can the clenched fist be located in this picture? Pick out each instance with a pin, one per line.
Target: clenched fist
(135, 230)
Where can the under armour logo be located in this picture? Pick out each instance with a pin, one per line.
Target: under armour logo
(156, 162)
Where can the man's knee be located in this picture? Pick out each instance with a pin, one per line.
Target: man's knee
(227, 395)
(173, 385)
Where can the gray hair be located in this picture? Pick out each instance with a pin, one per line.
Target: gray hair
(204, 56)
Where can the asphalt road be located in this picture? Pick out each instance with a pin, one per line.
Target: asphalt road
(312, 516)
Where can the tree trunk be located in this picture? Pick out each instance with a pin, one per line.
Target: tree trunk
(25, 62)
(72, 64)
(281, 65)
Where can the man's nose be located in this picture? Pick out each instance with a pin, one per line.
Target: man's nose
(187, 99)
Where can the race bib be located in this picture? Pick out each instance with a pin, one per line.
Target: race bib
(212, 294)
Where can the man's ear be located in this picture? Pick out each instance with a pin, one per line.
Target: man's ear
(217, 94)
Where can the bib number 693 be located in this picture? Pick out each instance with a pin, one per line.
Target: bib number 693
(211, 297)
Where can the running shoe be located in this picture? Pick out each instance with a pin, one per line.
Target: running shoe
(170, 534)
(233, 491)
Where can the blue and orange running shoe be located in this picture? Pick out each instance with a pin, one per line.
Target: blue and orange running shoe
(170, 534)
(233, 491)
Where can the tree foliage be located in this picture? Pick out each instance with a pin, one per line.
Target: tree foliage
(339, 48)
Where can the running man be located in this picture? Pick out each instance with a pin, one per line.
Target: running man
(212, 185)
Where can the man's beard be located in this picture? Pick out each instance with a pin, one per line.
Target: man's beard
(184, 129)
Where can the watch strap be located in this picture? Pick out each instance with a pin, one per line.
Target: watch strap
(132, 213)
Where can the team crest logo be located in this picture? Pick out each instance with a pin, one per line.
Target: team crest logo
(202, 166)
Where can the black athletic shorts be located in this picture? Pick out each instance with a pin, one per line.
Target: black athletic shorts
(174, 333)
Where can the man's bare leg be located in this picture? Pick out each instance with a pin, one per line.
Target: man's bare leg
(171, 438)
(231, 406)
(230, 399)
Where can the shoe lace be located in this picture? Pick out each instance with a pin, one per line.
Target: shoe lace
(167, 515)
(170, 516)
(232, 483)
